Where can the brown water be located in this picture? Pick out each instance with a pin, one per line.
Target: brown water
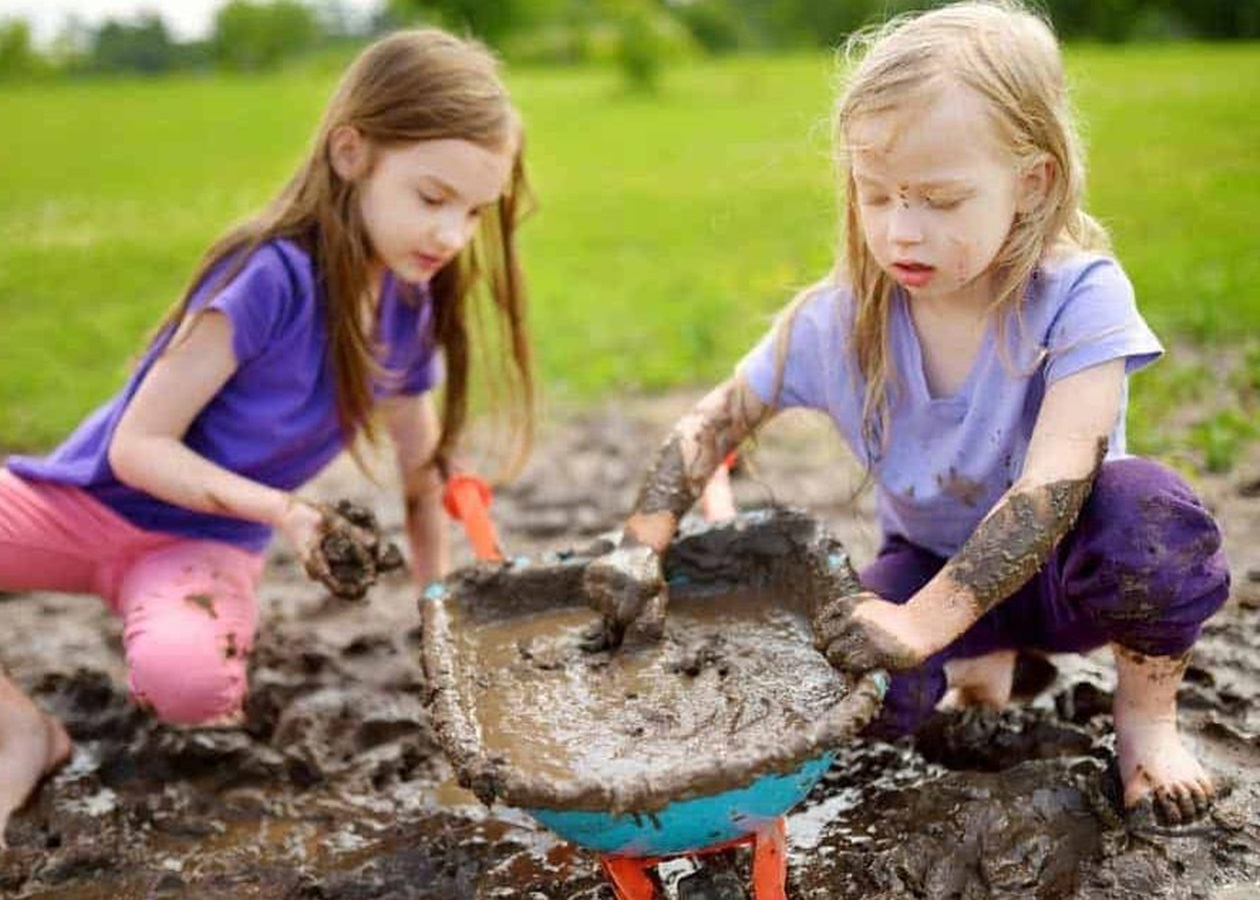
(731, 672)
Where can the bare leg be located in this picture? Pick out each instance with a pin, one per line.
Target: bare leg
(1154, 764)
(32, 744)
(979, 681)
(717, 503)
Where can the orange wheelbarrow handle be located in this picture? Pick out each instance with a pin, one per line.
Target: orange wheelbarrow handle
(467, 500)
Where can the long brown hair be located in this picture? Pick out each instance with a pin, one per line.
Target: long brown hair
(416, 85)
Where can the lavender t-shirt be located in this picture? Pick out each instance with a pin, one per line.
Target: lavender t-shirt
(275, 420)
(947, 460)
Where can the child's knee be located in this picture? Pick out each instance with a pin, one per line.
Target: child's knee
(1148, 558)
(189, 616)
(187, 677)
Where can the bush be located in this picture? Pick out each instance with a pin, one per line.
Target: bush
(17, 59)
(255, 35)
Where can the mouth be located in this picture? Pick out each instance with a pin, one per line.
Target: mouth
(429, 261)
(912, 274)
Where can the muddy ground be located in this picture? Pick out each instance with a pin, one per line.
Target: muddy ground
(335, 788)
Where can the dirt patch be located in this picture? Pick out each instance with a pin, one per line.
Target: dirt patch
(335, 787)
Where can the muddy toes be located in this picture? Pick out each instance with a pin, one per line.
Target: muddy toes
(1171, 806)
(1168, 809)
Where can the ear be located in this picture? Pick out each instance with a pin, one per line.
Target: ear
(1035, 182)
(348, 152)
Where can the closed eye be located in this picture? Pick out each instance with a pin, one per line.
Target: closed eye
(944, 202)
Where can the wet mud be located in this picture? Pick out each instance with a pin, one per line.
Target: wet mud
(335, 786)
(740, 672)
(532, 715)
(352, 553)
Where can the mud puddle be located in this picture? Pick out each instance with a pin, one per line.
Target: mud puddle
(730, 670)
(335, 788)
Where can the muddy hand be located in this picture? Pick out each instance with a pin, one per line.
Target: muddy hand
(386, 553)
(860, 632)
(349, 552)
(626, 588)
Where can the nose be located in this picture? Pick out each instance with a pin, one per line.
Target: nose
(905, 225)
(451, 231)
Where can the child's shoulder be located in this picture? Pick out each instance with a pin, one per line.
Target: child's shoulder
(286, 255)
(1076, 279)
(269, 282)
(1064, 271)
(277, 259)
(825, 304)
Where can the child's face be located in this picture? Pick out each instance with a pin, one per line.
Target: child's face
(421, 202)
(936, 194)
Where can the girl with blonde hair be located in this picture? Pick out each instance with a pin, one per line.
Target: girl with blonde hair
(349, 295)
(972, 347)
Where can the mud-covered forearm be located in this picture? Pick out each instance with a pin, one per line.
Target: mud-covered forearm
(1016, 538)
(691, 454)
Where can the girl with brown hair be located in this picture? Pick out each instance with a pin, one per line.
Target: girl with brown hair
(350, 294)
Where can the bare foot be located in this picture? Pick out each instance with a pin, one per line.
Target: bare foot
(1155, 766)
(32, 744)
(979, 681)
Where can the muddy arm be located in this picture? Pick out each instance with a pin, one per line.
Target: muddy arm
(690, 455)
(627, 586)
(1006, 549)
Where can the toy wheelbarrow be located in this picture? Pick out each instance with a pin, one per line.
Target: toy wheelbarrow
(692, 745)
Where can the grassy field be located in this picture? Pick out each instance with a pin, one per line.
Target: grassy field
(669, 229)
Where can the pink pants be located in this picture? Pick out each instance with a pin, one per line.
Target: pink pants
(188, 606)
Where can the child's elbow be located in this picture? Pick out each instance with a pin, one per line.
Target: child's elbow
(124, 458)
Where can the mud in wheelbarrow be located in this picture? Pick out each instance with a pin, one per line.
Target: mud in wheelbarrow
(657, 749)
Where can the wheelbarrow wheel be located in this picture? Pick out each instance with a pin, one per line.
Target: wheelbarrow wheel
(711, 884)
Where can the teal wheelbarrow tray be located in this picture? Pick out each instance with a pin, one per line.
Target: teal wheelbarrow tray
(698, 804)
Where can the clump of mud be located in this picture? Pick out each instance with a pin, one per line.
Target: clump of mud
(352, 553)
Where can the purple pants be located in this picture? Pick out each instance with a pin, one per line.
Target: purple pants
(1143, 567)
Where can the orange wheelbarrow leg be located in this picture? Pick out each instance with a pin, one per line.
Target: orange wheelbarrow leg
(629, 877)
(770, 862)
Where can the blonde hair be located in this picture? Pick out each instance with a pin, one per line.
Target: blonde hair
(1010, 58)
(416, 85)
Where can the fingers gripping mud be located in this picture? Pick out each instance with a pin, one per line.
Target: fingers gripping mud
(854, 645)
(627, 588)
(351, 552)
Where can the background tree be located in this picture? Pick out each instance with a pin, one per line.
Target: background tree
(253, 35)
(490, 20)
(144, 46)
(17, 57)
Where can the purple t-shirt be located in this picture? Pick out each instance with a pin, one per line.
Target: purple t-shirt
(947, 460)
(275, 420)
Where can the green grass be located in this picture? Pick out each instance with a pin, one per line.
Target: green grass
(669, 229)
